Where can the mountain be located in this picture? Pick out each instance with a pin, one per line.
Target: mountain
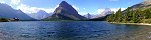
(107, 11)
(139, 13)
(40, 15)
(7, 11)
(103, 15)
(65, 12)
(143, 5)
(103, 18)
(88, 16)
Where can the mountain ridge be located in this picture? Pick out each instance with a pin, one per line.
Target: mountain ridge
(65, 12)
(7, 11)
(41, 14)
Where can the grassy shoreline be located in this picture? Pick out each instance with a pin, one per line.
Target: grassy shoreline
(131, 23)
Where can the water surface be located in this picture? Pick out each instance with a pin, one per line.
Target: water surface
(72, 30)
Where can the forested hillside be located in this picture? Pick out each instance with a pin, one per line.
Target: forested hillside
(131, 16)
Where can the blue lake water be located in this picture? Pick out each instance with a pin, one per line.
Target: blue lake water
(72, 30)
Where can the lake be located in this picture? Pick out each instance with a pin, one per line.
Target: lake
(72, 30)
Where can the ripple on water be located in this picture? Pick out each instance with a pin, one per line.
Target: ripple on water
(76, 30)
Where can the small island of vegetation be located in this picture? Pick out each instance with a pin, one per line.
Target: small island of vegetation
(8, 20)
(3, 20)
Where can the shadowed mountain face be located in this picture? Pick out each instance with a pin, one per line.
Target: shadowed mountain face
(7, 11)
(65, 12)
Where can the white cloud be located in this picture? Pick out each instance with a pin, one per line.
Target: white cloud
(116, 9)
(48, 10)
(100, 10)
(84, 8)
(83, 13)
(112, 9)
(29, 9)
(79, 10)
(2, 1)
(15, 2)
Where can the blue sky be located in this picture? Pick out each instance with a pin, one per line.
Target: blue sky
(82, 6)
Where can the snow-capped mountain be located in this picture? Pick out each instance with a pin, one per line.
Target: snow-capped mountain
(107, 11)
(40, 15)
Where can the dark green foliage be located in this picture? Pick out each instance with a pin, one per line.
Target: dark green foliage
(3, 20)
(131, 16)
(115, 17)
(111, 17)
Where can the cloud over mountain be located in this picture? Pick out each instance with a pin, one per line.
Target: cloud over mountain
(112, 9)
(17, 4)
(28, 9)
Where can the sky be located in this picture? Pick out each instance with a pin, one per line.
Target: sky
(82, 6)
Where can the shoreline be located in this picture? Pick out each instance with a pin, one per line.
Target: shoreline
(147, 24)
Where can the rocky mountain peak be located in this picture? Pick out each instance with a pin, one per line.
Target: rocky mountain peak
(106, 11)
(63, 3)
(64, 7)
(66, 12)
(147, 2)
(42, 11)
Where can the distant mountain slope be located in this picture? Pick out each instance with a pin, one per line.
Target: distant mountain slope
(107, 11)
(8, 12)
(89, 16)
(40, 15)
(143, 5)
(65, 12)
(139, 13)
(103, 15)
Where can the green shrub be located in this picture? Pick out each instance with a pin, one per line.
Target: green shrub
(146, 21)
(3, 20)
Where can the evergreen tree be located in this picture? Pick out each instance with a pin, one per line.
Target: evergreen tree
(118, 15)
(131, 15)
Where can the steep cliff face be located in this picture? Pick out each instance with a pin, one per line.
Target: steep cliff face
(65, 12)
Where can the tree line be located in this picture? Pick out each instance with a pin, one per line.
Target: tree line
(131, 16)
